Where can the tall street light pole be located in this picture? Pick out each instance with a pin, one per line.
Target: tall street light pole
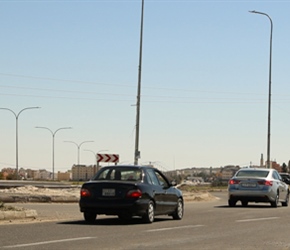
(53, 136)
(95, 155)
(78, 147)
(16, 117)
(270, 82)
(137, 152)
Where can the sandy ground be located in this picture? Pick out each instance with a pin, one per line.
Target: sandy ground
(75, 192)
(32, 190)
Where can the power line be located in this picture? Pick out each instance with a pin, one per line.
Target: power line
(127, 85)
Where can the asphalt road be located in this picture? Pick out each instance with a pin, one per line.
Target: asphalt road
(206, 225)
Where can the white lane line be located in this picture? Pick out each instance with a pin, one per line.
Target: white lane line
(258, 219)
(172, 228)
(48, 242)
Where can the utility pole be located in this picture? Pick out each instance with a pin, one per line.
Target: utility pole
(137, 152)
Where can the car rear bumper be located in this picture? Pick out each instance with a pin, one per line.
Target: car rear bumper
(255, 196)
(137, 207)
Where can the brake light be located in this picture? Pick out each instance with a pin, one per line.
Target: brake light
(85, 192)
(233, 181)
(266, 183)
(134, 194)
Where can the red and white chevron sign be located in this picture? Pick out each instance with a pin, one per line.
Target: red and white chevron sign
(107, 158)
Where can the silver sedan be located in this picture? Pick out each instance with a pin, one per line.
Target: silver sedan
(257, 185)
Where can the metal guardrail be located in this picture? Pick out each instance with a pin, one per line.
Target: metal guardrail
(41, 184)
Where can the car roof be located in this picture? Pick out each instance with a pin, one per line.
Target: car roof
(257, 169)
(127, 166)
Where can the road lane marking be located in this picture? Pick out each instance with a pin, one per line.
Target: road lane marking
(258, 219)
(48, 242)
(172, 228)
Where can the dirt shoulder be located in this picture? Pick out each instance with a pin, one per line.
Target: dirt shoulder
(37, 194)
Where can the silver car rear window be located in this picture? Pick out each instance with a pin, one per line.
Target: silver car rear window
(252, 173)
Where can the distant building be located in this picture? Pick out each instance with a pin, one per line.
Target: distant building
(64, 176)
(276, 166)
(262, 161)
(42, 174)
(30, 173)
(228, 172)
(82, 172)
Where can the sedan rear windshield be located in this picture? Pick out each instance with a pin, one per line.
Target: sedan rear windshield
(119, 174)
(252, 173)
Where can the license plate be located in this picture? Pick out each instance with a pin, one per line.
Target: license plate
(108, 192)
(249, 185)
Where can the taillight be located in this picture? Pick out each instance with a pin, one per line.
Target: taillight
(233, 181)
(266, 183)
(134, 194)
(85, 192)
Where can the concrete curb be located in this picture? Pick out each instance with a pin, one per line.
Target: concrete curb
(12, 215)
(37, 198)
(30, 214)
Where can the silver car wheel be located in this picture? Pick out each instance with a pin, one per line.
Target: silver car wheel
(178, 213)
(150, 213)
(276, 201)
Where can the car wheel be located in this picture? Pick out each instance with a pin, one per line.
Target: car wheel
(90, 217)
(276, 201)
(244, 203)
(178, 213)
(285, 203)
(232, 202)
(148, 217)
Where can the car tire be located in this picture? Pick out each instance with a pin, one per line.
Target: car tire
(276, 201)
(148, 217)
(232, 203)
(285, 203)
(244, 203)
(90, 217)
(178, 213)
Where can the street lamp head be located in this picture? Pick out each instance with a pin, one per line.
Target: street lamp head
(261, 13)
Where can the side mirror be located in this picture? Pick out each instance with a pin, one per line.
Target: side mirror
(173, 183)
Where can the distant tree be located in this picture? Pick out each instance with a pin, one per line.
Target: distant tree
(1, 176)
(284, 168)
(11, 176)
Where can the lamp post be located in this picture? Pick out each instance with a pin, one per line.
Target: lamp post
(96, 157)
(270, 82)
(78, 147)
(16, 117)
(53, 135)
(137, 152)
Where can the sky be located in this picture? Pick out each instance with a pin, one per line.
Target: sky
(204, 82)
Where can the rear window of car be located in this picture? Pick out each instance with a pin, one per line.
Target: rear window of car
(119, 174)
(252, 173)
